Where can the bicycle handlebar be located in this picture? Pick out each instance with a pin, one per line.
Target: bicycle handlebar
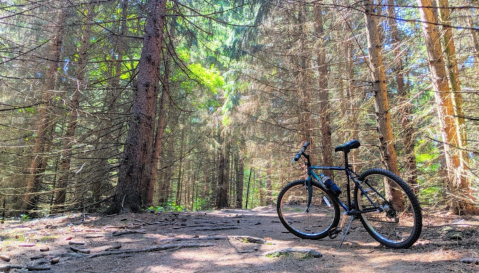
(298, 155)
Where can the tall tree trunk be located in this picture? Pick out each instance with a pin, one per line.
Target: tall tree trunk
(269, 187)
(458, 185)
(45, 123)
(386, 137)
(324, 107)
(254, 186)
(135, 167)
(302, 77)
(165, 185)
(453, 75)
(352, 99)
(451, 67)
(180, 167)
(407, 111)
(239, 180)
(105, 137)
(247, 190)
(160, 127)
(222, 189)
(69, 138)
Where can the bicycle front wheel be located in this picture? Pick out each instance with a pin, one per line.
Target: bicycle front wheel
(307, 223)
(394, 218)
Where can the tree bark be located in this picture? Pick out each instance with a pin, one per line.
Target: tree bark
(379, 87)
(247, 190)
(239, 180)
(222, 189)
(352, 101)
(302, 78)
(269, 187)
(135, 167)
(180, 167)
(69, 138)
(324, 107)
(45, 123)
(160, 127)
(105, 137)
(410, 173)
(452, 70)
(458, 185)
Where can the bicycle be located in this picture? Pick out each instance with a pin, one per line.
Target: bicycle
(384, 203)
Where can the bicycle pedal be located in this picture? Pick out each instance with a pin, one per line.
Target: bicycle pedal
(333, 233)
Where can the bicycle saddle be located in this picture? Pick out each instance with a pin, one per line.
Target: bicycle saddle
(348, 146)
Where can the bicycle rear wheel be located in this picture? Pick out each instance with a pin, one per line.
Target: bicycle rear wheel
(399, 224)
(312, 223)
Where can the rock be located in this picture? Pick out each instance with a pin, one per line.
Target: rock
(54, 260)
(300, 253)
(455, 236)
(78, 243)
(470, 260)
(249, 239)
(44, 249)
(452, 233)
(5, 258)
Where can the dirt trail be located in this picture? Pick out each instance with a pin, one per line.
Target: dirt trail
(220, 241)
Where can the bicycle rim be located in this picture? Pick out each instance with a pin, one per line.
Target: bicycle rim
(312, 223)
(399, 223)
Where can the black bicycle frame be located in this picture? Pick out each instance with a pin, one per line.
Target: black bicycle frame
(351, 175)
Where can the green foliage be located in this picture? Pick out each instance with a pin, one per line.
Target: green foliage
(25, 218)
(169, 207)
(210, 78)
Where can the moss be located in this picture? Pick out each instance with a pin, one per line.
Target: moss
(45, 239)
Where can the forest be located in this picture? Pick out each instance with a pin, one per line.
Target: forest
(182, 105)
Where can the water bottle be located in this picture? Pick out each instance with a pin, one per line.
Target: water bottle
(330, 184)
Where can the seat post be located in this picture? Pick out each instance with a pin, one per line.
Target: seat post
(348, 187)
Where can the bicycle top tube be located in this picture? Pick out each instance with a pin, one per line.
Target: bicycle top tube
(327, 168)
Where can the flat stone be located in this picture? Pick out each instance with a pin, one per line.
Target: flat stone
(470, 260)
(302, 253)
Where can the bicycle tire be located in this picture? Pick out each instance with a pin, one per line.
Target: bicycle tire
(323, 214)
(399, 225)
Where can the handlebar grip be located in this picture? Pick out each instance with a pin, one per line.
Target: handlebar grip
(298, 155)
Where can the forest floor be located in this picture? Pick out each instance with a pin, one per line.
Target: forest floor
(220, 241)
